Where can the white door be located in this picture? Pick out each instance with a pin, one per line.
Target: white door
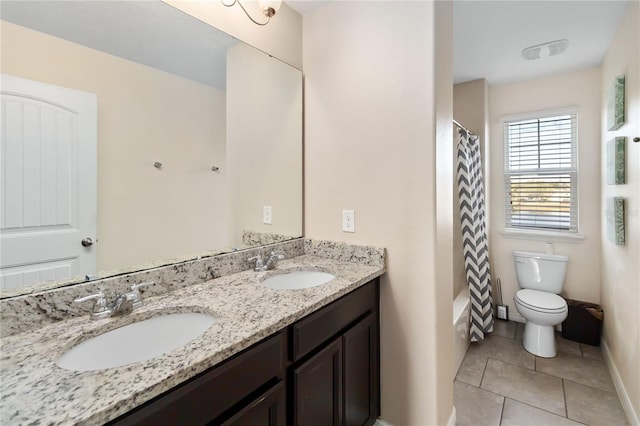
(48, 170)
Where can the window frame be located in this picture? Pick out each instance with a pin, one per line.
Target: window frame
(512, 230)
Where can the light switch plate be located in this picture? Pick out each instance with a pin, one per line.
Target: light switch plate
(266, 215)
(348, 221)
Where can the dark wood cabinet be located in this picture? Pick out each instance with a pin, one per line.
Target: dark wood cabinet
(211, 395)
(321, 370)
(326, 323)
(267, 410)
(317, 388)
(339, 384)
(361, 368)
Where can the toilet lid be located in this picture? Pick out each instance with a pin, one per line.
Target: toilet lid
(541, 300)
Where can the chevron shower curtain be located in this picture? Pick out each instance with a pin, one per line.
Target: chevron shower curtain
(474, 235)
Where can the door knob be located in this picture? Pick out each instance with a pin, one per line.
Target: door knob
(86, 242)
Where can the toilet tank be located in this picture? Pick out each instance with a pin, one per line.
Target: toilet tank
(540, 271)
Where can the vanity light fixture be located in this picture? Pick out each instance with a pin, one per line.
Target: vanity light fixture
(543, 50)
(268, 8)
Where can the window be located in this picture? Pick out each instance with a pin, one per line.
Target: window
(541, 173)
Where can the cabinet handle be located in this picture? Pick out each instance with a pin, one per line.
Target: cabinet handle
(258, 402)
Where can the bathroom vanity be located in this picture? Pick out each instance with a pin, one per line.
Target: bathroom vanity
(322, 369)
(272, 357)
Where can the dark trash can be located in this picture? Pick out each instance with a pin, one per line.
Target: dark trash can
(583, 323)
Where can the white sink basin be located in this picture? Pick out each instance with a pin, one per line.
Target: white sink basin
(136, 342)
(296, 280)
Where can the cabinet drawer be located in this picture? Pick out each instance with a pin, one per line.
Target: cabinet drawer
(319, 327)
(207, 396)
(266, 410)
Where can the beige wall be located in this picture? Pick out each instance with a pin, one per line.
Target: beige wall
(264, 142)
(282, 37)
(144, 115)
(370, 145)
(471, 109)
(620, 277)
(582, 89)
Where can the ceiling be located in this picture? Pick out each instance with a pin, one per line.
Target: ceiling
(489, 36)
(305, 6)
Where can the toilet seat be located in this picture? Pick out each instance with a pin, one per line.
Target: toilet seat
(541, 301)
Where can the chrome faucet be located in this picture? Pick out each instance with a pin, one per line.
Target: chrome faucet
(260, 265)
(123, 304)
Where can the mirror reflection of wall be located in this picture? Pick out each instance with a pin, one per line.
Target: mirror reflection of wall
(262, 119)
(249, 127)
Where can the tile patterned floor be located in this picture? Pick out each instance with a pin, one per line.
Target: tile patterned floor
(501, 384)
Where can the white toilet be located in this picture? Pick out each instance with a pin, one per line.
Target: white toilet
(540, 278)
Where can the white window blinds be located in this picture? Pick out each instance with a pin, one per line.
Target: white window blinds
(541, 171)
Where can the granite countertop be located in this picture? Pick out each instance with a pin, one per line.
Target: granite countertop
(35, 390)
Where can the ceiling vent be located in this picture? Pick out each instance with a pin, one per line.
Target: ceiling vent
(545, 49)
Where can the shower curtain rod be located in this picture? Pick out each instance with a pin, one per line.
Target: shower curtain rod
(463, 128)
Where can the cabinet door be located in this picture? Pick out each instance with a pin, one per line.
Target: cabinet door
(267, 410)
(361, 372)
(317, 388)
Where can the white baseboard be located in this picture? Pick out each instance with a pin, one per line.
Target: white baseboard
(452, 417)
(632, 416)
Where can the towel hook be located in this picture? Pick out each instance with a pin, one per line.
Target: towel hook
(157, 165)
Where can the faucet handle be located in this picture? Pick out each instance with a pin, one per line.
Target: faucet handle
(273, 260)
(99, 302)
(276, 255)
(135, 289)
(257, 262)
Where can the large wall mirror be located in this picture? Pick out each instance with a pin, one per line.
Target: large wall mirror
(198, 141)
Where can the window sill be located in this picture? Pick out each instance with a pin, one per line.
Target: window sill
(547, 236)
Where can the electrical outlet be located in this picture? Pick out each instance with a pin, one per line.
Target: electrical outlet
(348, 221)
(266, 215)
